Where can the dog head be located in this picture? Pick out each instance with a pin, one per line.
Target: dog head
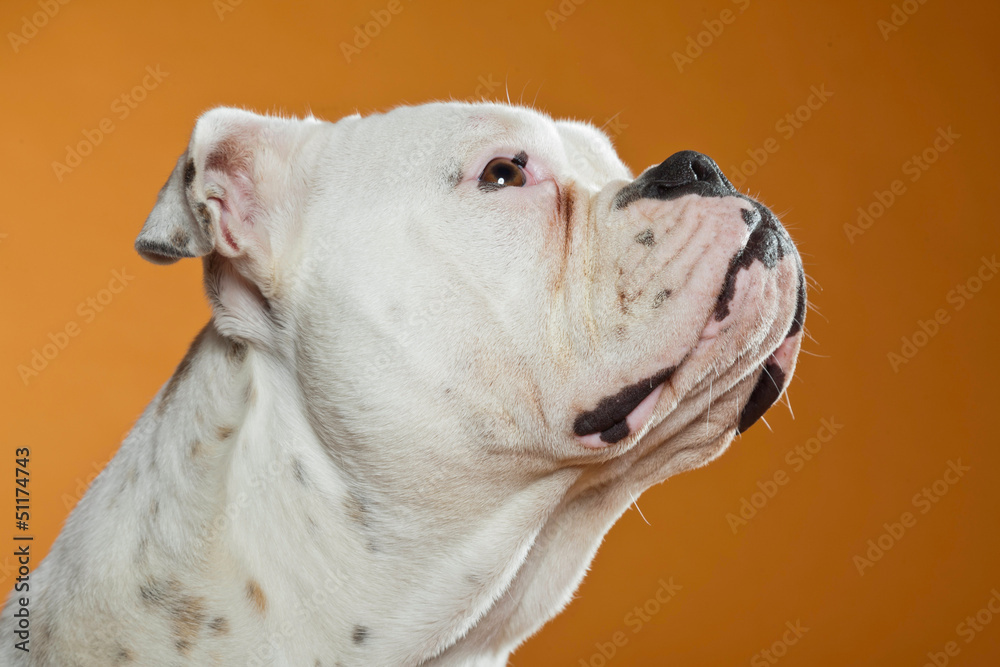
(454, 281)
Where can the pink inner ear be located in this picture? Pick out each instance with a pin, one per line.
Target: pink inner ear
(229, 166)
(225, 219)
(237, 207)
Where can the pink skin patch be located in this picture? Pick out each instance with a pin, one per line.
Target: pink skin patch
(744, 281)
(224, 214)
(636, 420)
(784, 356)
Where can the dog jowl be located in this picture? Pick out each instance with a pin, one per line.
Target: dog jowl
(553, 336)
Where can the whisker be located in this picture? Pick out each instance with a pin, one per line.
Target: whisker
(813, 308)
(805, 332)
(771, 377)
(536, 94)
(635, 502)
(788, 402)
(520, 99)
(709, 411)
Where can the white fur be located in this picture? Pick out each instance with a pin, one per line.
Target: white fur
(368, 457)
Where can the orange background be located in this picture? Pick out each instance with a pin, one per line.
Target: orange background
(793, 561)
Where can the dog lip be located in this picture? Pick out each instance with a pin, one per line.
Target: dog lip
(768, 244)
(632, 423)
(609, 420)
(767, 390)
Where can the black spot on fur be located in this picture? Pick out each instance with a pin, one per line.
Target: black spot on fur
(454, 174)
(237, 351)
(298, 472)
(219, 625)
(201, 208)
(189, 172)
(179, 240)
(763, 396)
(646, 238)
(360, 634)
(356, 509)
(152, 592)
(660, 297)
(608, 418)
(142, 551)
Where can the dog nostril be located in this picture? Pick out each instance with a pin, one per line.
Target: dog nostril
(686, 168)
(702, 171)
(684, 172)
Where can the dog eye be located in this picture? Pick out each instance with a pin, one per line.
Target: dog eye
(504, 172)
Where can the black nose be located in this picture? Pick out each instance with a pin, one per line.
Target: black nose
(683, 173)
(687, 167)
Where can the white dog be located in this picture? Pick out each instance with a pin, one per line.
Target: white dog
(450, 344)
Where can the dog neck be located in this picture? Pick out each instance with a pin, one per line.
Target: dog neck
(291, 547)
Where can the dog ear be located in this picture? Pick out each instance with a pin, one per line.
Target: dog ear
(216, 198)
(231, 199)
(171, 231)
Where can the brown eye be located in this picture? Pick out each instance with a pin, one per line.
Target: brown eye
(503, 172)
